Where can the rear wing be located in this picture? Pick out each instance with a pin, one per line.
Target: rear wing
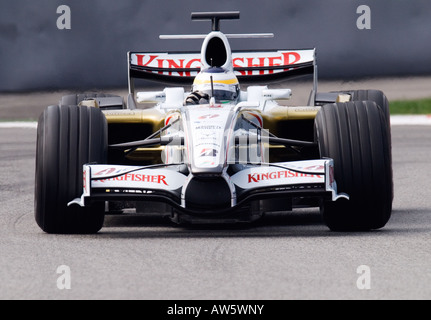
(181, 68)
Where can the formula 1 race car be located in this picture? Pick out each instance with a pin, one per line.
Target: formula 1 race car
(215, 154)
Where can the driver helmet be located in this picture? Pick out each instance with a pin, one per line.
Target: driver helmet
(225, 83)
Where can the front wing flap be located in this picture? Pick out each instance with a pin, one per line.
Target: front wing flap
(112, 182)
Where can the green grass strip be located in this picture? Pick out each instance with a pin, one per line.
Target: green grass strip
(422, 106)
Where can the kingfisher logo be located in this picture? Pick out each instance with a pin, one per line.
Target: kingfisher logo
(188, 65)
(161, 61)
(130, 177)
(278, 175)
(156, 179)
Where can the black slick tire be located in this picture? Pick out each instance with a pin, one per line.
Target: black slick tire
(68, 137)
(355, 136)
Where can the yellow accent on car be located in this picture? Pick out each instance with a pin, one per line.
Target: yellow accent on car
(344, 98)
(152, 116)
(230, 81)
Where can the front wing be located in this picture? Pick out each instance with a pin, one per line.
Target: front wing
(167, 184)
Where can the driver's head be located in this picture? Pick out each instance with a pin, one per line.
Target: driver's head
(225, 83)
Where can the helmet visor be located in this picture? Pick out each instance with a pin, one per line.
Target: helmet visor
(221, 95)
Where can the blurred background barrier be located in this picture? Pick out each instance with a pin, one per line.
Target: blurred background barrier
(82, 44)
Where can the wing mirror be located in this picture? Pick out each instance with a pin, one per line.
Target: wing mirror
(170, 98)
(151, 97)
(262, 94)
(276, 94)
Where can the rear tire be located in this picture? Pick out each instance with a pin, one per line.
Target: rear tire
(379, 98)
(355, 135)
(68, 137)
(376, 96)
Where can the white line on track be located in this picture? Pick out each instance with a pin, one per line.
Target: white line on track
(20, 125)
(412, 120)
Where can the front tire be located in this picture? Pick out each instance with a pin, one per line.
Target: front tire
(68, 137)
(355, 135)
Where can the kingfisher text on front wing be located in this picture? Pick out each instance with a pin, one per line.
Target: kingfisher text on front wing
(222, 309)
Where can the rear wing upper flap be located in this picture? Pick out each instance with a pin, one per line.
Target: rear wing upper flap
(258, 66)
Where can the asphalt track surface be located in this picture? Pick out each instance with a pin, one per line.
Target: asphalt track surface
(292, 256)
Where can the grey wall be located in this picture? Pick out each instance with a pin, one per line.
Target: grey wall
(34, 54)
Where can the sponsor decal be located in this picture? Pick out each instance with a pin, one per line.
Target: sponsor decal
(158, 61)
(305, 109)
(208, 116)
(135, 177)
(110, 171)
(208, 153)
(289, 174)
(206, 144)
(256, 116)
(174, 117)
(123, 113)
(206, 163)
(315, 168)
(209, 128)
(285, 59)
(239, 60)
(278, 175)
(212, 135)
